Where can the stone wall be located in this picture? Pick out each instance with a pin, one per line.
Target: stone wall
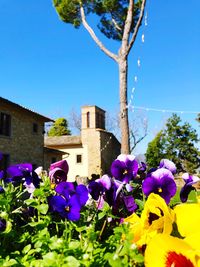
(23, 145)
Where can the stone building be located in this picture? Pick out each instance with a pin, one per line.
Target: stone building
(21, 135)
(93, 151)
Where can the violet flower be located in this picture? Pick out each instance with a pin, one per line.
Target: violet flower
(99, 186)
(67, 190)
(19, 172)
(168, 164)
(58, 171)
(69, 201)
(124, 168)
(67, 208)
(187, 188)
(160, 182)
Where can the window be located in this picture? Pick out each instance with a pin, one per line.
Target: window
(88, 119)
(4, 163)
(5, 124)
(35, 127)
(79, 158)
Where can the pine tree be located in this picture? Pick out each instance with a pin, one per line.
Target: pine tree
(59, 128)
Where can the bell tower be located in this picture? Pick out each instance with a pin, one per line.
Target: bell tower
(92, 117)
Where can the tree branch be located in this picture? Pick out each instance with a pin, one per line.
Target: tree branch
(127, 28)
(95, 38)
(137, 25)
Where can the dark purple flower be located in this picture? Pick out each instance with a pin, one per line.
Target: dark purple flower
(67, 208)
(187, 188)
(1, 174)
(2, 225)
(160, 182)
(67, 190)
(124, 168)
(18, 172)
(82, 193)
(95, 189)
(99, 186)
(130, 204)
(58, 171)
(168, 164)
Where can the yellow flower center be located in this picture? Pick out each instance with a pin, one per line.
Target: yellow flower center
(125, 172)
(159, 190)
(53, 185)
(67, 208)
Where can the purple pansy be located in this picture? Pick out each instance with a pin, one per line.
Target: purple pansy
(69, 201)
(187, 188)
(99, 186)
(58, 171)
(24, 171)
(160, 182)
(67, 190)
(168, 164)
(130, 204)
(67, 208)
(124, 168)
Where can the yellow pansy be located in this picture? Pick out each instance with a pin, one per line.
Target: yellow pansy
(187, 218)
(168, 251)
(156, 218)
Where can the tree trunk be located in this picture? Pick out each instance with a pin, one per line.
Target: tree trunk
(124, 124)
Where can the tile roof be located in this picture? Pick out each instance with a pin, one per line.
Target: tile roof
(62, 140)
(4, 100)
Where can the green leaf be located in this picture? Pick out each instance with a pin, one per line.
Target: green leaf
(73, 262)
(43, 208)
(26, 249)
(31, 202)
(74, 245)
(11, 262)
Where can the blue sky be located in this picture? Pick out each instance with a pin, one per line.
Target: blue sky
(52, 68)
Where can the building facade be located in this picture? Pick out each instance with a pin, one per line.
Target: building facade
(21, 135)
(93, 151)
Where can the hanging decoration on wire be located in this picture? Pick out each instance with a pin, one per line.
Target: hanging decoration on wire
(163, 110)
(133, 107)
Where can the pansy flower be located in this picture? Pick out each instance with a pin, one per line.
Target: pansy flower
(19, 172)
(187, 218)
(168, 164)
(67, 208)
(156, 217)
(69, 201)
(67, 190)
(99, 186)
(58, 171)
(167, 251)
(187, 188)
(160, 182)
(124, 168)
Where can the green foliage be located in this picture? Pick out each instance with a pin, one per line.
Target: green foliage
(59, 128)
(177, 143)
(111, 13)
(36, 237)
(154, 151)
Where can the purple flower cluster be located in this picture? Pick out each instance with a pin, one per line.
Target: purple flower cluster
(69, 200)
(116, 190)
